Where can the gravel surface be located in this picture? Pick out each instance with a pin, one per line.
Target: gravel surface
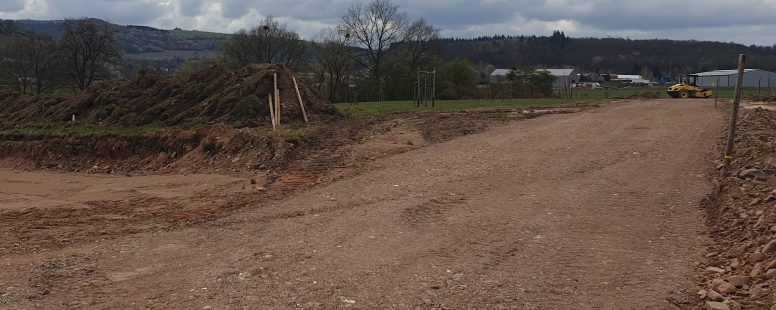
(592, 210)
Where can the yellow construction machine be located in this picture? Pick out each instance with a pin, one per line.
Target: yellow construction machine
(687, 88)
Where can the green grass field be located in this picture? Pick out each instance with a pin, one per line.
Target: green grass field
(368, 109)
(198, 35)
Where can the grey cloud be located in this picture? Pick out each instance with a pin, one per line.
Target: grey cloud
(117, 11)
(191, 7)
(661, 18)
(11, 6)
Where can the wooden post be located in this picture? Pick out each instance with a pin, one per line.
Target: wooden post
(271, 111)
(716, 93)
(277, 101)
(299, 96)
(734, 116)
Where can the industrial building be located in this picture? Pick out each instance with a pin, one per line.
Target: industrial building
(563, 77)
(727, 78)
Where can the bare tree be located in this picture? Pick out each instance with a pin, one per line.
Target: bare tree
(377, 27)
(420, 42)
(335, 58)
(28, 62)
(270, 42)
(14, 70)
(89, 49)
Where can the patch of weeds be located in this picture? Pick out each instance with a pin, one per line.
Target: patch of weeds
(293, 135)
(105, 111)
(210, 146)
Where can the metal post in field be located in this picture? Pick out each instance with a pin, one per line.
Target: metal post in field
(433, 90)
(417, 100)
(734, 116)
(425, 88)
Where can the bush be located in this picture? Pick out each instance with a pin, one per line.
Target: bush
(210, 146)
(105, 111)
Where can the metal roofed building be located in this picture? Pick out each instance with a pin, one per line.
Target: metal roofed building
(563, 77)
(727, 78)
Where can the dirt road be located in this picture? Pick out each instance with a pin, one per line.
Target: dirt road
(593, 210)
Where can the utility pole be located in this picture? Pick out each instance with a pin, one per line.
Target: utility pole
(734, 116)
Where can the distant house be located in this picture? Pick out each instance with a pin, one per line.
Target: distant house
(727, 78)
(499, 75)
(563, 77)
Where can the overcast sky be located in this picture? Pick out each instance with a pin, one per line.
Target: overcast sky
(741, 21)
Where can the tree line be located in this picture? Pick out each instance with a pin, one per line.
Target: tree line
(375, 50)
(33, 63)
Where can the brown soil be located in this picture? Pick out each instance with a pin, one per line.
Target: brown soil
(236, 98)
(596, 209)
(173, 150)
(276, 168)
(742, 218)
(765, 99)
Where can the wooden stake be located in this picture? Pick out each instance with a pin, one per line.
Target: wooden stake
(277, 101)
(734, 116)
(299, 96)
(271, 112)
(716, 93)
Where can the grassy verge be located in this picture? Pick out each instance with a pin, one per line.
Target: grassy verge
(293, 135)
(368, 109)
(82, 130)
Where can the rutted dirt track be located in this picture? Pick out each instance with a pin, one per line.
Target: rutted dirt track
(593, 210)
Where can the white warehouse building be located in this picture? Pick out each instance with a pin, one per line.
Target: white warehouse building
(727, 78)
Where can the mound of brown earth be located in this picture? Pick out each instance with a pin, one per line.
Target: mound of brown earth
(741, 268)
(236, 98)
(210, 148)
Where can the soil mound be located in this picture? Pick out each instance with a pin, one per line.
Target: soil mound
(742, 220)
(210, 148)
(214, 94)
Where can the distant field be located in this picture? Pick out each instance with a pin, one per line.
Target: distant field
(198, 35)
(367, 109)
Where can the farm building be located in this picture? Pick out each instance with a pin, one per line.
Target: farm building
(563, 77)
(727, 78)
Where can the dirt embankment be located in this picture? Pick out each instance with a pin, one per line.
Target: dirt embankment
(212, 148)
(236, 98)
(741, 266)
